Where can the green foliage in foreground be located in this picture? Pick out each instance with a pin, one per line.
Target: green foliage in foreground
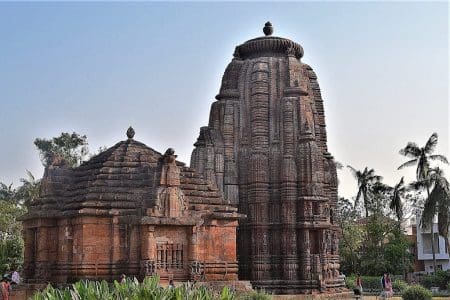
(441, 279)
(417, 292)
(374, 248)
(132, 289)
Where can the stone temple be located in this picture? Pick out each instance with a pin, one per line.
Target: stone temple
(265, 149)
(257, 203)
(129, 210)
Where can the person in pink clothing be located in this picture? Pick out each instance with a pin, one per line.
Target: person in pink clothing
(389, 291)
(5, 288)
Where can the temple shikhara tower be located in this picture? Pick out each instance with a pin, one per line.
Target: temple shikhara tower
(265, 149)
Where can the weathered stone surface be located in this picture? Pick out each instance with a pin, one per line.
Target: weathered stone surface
(265, 149)
(129, 210)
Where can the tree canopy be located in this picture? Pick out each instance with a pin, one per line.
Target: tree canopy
(71, 147)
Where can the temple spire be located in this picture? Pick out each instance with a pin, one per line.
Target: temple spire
(130, 132)
(268, 28)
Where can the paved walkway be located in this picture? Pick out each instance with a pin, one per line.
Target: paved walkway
(397, 298)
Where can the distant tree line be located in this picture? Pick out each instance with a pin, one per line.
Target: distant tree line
(376, 243)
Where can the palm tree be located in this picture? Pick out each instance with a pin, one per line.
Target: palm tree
(7, 192)
(366, 179)
(438, 200)
(421, 156)
(29, 190)
(396, 204)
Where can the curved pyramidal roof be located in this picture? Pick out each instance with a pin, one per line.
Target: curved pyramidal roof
(123, 179)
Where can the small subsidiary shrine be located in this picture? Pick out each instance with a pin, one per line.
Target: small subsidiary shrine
(129, 210)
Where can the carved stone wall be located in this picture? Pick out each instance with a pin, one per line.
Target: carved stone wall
(265, 149)
(129, 210)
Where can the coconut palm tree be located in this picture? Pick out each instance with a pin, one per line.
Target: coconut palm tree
(366, 179)
(396, 204)
(7, 192)
(421, 157)
(29, 190)
(438, 201)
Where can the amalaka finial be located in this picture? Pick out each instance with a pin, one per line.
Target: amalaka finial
(268, 29)
(130, 132)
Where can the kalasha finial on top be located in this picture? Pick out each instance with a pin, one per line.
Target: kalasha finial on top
(268, 29)
(130, 132)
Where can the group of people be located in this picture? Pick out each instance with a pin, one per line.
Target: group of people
(6, 283)
(386, 283)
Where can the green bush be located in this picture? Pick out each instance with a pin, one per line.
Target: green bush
(417, 292)
(350, 282)
(399, 286)
(441, 279)
(132, 289)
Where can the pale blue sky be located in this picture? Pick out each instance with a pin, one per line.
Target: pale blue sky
(96, 68)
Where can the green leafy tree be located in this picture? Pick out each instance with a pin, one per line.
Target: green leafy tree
(71, 147)
(396, 252)
(385, 247)
(380, 196)
(11, 208)
(350, 244)
(365, 179)
(345, 211)
(11, 243)
(352, 237)
(421, 158)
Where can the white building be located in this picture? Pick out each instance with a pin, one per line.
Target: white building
(424, 252)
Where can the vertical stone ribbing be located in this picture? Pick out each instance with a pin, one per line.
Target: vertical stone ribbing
(288, 188)
(270, 129)
(258, 184)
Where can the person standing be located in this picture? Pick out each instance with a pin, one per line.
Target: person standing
(389, 291)
(383, 285)
(15, 278)
(123, 278)
(359, 284)
(5, 288)
(171, 285)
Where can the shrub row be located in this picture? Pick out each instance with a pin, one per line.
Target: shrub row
(441, 279)
(132, 289)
